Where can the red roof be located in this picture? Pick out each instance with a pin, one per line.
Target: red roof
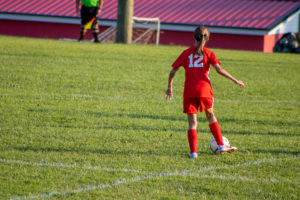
(253, 14)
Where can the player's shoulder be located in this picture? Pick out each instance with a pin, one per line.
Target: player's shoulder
(189, 50)
(208, 51)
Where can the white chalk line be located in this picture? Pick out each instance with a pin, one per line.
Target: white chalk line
(62, 165)
(184, 173)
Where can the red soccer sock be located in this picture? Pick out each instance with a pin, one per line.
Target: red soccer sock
(216, 131)
(192, 137)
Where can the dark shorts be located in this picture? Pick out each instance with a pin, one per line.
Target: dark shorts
(88, 13)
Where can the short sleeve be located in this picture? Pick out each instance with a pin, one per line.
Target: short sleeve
(213, 59)
(179, 61)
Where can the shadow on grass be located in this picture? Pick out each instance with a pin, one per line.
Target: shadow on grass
(201, 118)
(265, 133)
(111, 151)
(152, 152)
(141, 116)
(276, 151)
(180, 118)
(182, 130)
(166, 129)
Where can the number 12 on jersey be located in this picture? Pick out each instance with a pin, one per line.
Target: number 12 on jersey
(197, 62)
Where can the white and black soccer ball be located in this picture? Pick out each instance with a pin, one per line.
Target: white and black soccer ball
(214, 146)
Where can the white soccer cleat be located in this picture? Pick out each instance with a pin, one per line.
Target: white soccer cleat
(193, 155)
(225, 149)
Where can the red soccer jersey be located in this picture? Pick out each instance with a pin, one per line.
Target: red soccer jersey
(197, 83)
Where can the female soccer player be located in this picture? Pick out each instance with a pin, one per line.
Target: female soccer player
(198, 93)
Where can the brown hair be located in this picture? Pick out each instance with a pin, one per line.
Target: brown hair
(201, 36)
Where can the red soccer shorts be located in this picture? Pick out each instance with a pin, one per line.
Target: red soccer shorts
(191, 105)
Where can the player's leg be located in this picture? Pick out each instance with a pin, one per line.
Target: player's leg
(214, 126)
(84, 20)
(216, 131)
(192, 119)
(192, 134)
(82, 33)
(190, 107)
(206, 104)
(95, 29)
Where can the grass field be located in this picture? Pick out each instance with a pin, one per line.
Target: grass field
(88, 121)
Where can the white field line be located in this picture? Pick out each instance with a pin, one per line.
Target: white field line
(184, 173)
(62, 165)
(243, 178)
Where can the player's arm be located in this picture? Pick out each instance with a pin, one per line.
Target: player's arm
(226, 74)
(77, 6)
(169, 92)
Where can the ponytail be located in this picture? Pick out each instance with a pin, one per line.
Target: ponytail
(201, 35)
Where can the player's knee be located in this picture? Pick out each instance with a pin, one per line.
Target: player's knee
(192, 124)
(209, 114)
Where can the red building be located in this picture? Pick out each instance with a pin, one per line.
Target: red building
(234, 24)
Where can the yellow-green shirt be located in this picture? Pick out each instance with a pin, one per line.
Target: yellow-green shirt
(90, 3)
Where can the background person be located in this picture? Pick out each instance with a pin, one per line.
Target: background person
(90, 9)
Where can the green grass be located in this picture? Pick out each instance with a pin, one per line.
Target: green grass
(87, 121)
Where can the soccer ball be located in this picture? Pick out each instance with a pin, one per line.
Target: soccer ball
(213, 144)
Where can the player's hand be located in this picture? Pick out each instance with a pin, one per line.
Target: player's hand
(241, 84)
(169, 94)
